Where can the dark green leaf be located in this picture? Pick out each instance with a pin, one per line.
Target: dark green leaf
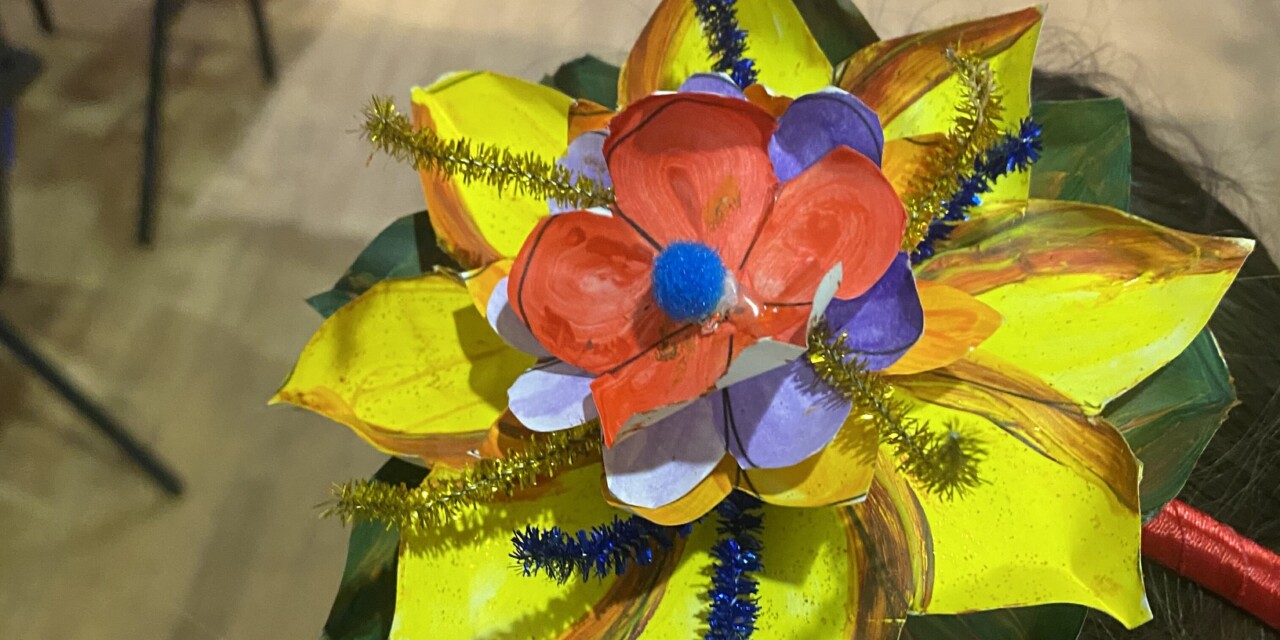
(406, 248)
(1169, 418)
(1045, 622)
(366, 600)
(1087, 156)
(587, 77)
(838, 26)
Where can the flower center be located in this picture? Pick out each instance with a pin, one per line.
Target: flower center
(688, 281)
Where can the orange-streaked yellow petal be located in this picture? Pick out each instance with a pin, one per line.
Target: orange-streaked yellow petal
(1094, 300)
(1056, 517)
(460, 582)
(411, 366)
(954, 323)
(472, 221)
(586, 115)
(672, 47)
(911, 85)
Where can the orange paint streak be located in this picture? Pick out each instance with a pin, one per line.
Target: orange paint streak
(890, 75)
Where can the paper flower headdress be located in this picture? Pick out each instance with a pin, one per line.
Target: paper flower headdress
(887, 320)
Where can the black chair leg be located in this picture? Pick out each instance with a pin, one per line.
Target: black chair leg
(43, 17)
(151, 134)
(135, 451)
(265, 52)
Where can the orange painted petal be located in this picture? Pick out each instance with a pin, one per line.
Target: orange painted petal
(760, 96)
(693, 505)
(581, 285)
(840, 210)
(693, 166)
(954, 323)
(891, 75)
(681, 367)
(585, 115)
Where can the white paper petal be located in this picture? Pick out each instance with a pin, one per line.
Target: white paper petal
(509, 327)
(551, 396)
(658, 464)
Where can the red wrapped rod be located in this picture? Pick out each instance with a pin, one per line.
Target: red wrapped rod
(1213, 555)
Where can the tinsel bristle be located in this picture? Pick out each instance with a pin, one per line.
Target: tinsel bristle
(976, 128)
(733, 593)
(600, 551)
(390, 132)
(726, 39)
(1013, 152)
(942, 462)
(437, 501)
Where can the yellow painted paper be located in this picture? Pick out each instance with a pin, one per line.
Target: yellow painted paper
(808, 585)
(1056, 517)
(910, 83)
(473, 222)
(672, 47)
(411, 366)
(460, 582)
(1094, 300)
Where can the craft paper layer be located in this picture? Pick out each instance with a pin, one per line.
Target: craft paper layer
(411, 366)
(1094, 300)
(473, 221)
(672, 47)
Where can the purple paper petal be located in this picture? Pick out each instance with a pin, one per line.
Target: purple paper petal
(779, 418)
(717, 83)
(658, 464)
(818, 122)
(551, 396)
(585, 157)
(509, 327)
(886, 320)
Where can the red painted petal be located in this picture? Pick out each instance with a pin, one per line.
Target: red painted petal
(693, 166)
(681, 368)
(841, 209)
(581, 285)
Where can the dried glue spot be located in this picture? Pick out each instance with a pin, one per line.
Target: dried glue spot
(688, 281)
(723, 203)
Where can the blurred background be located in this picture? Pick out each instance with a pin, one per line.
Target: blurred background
(264, 196)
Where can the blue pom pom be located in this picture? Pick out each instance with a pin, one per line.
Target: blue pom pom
(688, 280)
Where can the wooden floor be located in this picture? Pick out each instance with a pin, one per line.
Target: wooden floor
(266, 199)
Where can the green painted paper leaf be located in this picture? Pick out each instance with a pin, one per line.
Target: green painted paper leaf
(1045, 622)
(587, 77)
(838, 26)
(1169, 418)
(404, 249)
(366, 599)
(1087, 155)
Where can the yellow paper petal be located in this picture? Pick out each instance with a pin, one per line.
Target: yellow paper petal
(808, 587)
(910, 84)
(1056, 518)
(1094, 300)
(671, 48)
(411, 366)
(461, 582)
(472, 221)
(954, 323)
(839, 474)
